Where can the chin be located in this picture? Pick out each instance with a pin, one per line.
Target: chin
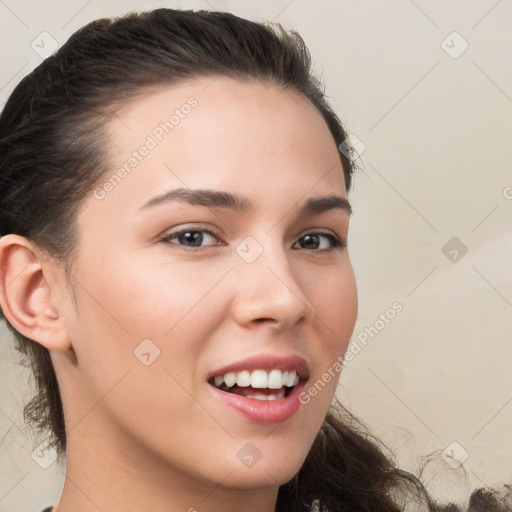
(272, 473)
(261, 480)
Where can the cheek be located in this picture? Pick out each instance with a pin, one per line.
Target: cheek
(335, 303)
(132, 313)
(144, 299)
(137, 347)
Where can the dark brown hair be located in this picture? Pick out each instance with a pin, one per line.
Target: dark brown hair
(53, 153)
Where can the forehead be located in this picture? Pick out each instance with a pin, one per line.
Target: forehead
(254, 139)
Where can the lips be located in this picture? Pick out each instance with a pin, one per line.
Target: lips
(262, 388)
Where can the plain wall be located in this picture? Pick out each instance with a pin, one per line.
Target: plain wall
(434, 181)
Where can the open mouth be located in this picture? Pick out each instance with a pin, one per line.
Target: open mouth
(258, 384)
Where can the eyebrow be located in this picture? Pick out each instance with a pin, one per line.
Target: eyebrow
(237, 203)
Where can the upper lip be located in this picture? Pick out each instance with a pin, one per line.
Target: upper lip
(267, 362)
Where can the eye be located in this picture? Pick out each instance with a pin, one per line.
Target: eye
(194, 238)
(191, 237)
(313, 241)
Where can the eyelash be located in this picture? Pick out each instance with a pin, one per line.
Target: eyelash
(336, 243)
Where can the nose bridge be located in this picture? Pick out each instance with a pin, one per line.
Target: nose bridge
(266, 287)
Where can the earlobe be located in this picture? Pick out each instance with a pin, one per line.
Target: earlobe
(25, 294)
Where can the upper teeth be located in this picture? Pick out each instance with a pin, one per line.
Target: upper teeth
(275, 379)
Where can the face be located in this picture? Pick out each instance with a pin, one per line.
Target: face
(176, 292)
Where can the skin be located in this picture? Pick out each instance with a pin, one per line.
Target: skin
(151, 437)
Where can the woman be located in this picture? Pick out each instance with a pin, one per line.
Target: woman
(174, 220)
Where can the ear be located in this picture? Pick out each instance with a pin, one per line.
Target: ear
(25, 293)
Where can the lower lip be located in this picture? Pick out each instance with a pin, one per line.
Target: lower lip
(266, 412)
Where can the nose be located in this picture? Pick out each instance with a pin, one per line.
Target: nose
(269, 290)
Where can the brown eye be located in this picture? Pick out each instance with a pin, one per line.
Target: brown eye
(314, 240)
(192, 238)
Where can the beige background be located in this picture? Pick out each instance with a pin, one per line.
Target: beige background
(436, 165)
